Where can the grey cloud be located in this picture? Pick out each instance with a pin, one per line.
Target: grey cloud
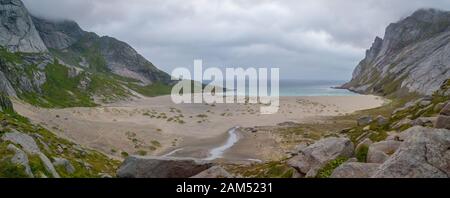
(319, 39)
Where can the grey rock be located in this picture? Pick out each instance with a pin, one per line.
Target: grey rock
(20, 158)
(375, 156)
(25, 141)
(424, 121)
(355, 170)
(312, 158)
(442, 122)
(381, 120)
(58, 34)
(214, 172)
(380, 151)
(64, 163)
(17, 31)
(402, 123)
(424, 154)
(161, 167)
(424, 103)
(5, 86)
(48, 165)
(446, 110)
(365, 120)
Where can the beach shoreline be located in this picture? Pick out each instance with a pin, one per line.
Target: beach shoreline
(156, 126)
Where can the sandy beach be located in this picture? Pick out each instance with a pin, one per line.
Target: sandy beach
(156, 126)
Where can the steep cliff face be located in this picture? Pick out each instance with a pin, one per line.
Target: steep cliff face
(57, 64)
(413, 57)
(18, 33)
(77, 47)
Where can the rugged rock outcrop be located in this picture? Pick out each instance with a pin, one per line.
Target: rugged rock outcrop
(161, 167)
(17, 31)
(443, 120)
(413, 56)
(380, 151)
(424, 154)
(68, 167)
(355, 170)
(20, 158)
(312, 158)
(29, 145)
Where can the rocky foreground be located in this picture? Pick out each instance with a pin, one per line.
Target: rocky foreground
(413, 142)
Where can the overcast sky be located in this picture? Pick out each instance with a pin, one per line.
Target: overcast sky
(306, 39)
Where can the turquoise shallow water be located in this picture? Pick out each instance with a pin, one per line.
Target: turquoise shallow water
(310, 88)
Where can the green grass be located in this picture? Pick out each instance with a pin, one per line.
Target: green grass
(156, 89)
(265, 170)
(328, 169)
(361, 153)
(99, 163)
(59, 90)
(11, 170)
(9, 56)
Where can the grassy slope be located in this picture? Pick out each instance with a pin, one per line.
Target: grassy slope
(61, 90)
(99, 162)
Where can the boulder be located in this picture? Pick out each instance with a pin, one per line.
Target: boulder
(424, 121)
(379, 152)
(381, 120)
(314, 157)
(446, 110)
(214, 172)
(402, 123)
(161, 167)
(424, 154)
(64, 163)
(20, 158)
(442, 122)
(365, 120)
(29, 145)
(48, 165)
(25, 141)
(355, 170)
(424, 103)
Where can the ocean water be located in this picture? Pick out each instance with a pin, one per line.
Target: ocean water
(312, 88)
(307, 88)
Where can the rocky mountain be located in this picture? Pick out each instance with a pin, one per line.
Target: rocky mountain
(18, 33)
(413, 57)
(54, 63)
(66, 40)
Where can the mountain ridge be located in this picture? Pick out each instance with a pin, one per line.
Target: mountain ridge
(55, 63)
